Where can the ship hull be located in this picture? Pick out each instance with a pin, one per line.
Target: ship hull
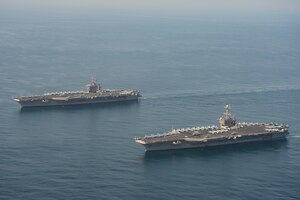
(50, 102)
(186, 144)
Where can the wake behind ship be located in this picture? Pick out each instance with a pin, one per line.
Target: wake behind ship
(94, 95)
(229, 132)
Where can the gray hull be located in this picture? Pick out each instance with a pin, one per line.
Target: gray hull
(185, 144)
(41, 103)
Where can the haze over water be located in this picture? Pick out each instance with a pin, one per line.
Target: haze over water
(187, 66)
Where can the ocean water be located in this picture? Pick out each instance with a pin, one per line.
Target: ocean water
(186, 68)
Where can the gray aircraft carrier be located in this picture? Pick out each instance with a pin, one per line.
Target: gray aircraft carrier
(94, 94)
(229, 132)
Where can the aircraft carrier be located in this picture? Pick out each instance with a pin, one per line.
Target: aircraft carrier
(228, 132)
(94, 94)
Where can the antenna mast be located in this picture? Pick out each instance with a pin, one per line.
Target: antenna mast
(227, 109)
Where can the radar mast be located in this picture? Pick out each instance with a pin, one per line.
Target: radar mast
(94, 79)
(227, 109)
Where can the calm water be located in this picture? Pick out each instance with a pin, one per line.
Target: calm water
(187, 70)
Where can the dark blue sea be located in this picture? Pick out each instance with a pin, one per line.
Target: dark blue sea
(187, 69)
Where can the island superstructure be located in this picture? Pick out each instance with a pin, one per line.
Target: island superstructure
(228, 132)
(93, 94)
